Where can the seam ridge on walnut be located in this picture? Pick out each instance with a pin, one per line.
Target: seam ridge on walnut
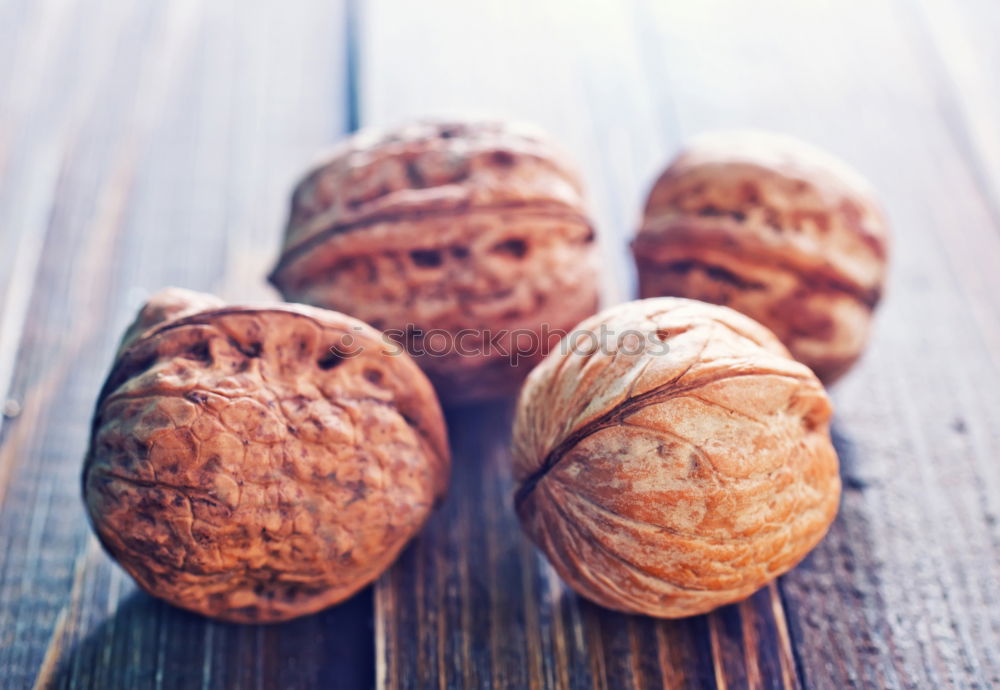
(665, 392)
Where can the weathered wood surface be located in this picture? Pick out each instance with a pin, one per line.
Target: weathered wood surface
(141, 144)
(144, 144)
(905, 591)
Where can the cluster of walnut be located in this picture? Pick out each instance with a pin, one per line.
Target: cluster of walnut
(260, 463)
(453, 237)
(683, 475)
(256, 463)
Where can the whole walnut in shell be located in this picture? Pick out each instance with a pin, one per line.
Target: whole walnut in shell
(257, 463)
(776, 229)
(678, 467)
(450, 236)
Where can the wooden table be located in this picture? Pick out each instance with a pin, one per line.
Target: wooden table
(152, 143)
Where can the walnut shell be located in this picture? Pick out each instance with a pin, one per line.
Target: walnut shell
(773, 228)
(680, 475)
(448, 232)
(257, 463)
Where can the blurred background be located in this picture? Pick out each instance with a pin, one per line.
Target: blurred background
(145, 144)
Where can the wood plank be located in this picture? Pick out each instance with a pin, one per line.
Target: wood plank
(471, 604)
(960, 50)
(152, 144)
(903, 591)
(899, 594)
(874, 602)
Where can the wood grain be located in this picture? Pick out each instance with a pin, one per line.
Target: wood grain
(590, 86)
(141, 144)
(903, 591)
(145, 144)
(471, 604)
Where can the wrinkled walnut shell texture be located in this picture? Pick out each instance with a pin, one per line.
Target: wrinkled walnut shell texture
(452, 226)
(242, 469)
(670, 484)
(775, 229)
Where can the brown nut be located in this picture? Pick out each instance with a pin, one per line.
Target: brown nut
(773, 228)
(259, 463)
(451, 237)
(681, 465)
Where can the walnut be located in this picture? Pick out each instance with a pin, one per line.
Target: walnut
(776, 229)
(445, 235)
(679, 467)
(257, 463)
